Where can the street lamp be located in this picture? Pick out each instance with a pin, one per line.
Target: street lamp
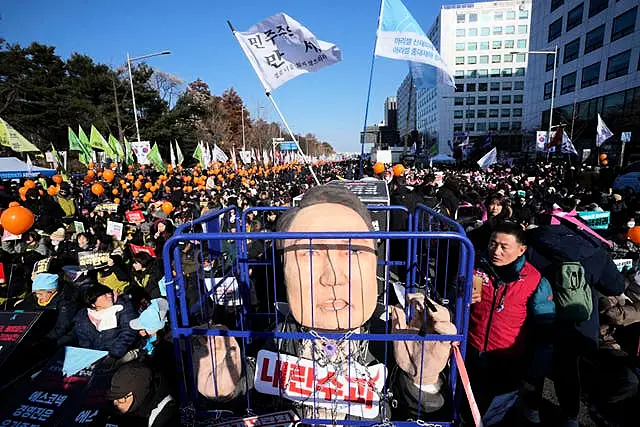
(553, 52)
(133, 96)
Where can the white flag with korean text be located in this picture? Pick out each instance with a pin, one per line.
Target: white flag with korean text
(603, 132)
(280, 48)
(567, 145)
(488, 159)
(219, 155)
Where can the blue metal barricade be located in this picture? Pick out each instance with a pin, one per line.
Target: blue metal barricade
(242, 296)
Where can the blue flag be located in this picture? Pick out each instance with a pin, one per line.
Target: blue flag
(400, 36)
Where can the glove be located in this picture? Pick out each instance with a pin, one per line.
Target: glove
(108, 364)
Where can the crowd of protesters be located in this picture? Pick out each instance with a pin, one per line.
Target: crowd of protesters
(526, 322)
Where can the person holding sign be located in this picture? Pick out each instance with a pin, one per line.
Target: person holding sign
(340, 297)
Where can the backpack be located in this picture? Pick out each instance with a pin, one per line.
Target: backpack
(572, 293)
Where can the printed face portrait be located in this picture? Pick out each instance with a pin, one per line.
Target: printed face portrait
(331, 283)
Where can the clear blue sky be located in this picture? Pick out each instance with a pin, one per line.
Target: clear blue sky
(329, 103)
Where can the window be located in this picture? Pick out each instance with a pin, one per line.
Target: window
(574, 17)
(597, 6)
(460, 32)
(484, 59)
(495, 59)
(495, 72)
(521, 57)
(483, 73)
(523, 14)
(486, 16)
(472, 74)
(497, 44)
(508, 58)
(497, 16)
(519, 85)
(550, 59)
(516, 125)
(508, 44)
(473, 17)
(457, 127)
(505, 112)
(507, 72)
(571, 50)
(459, 46)
(473, 32)
(472, 60)
(493, 100)
(471, 114)
(618, 65)
(460, 18)
(523, 29)
(495, 86)
(457, 114)
(482, 100)
(506, 99)
(459, 74)
(471, 100)
(594, 39)
(568, 83)
(458, 101)
(511, 14)
(506, 85)
(472, 46)
(497, 31)
(460, 87)
(548, 87)
(471, 87)
(556, 4)
(510, 29)
(469, 127)
(517, 99)
(624, 24)
(522, 44)
(519, 72)
(481, 127)
(517, 112)
(459, 60)
(484, 45)
(482, 87)
(590, 75)
(494, 113)
(493, 125)
(485, 31)
(482, 114)
(555, 29)
(504, 125)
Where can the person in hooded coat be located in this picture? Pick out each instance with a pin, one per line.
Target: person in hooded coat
(48, 214)
(143, 397)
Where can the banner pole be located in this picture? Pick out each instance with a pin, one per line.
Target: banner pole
(366, 109)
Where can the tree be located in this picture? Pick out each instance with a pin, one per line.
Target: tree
(234, 110)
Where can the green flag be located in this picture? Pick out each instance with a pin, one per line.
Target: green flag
(179, 156)
(116, 147)
(85, 155)
(198, 154)
(98, 142)
(155, 159)
(9, 137)
(128, 156)
(74, 142)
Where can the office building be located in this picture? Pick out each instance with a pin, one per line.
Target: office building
(477, 41)
(597, 70)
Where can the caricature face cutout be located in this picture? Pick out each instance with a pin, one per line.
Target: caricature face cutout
(331, 283)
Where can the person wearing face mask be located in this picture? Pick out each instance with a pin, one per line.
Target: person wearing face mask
(104, 325)
(146, 275)
(142, 397)
(66, 201)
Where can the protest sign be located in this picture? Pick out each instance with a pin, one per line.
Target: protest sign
(79, 227)
(135, 249)
(93, 260)
(596, 220)
(41, 266)
(107, 207)
(6, 236)
(115, 229)
(134, 217)
(623, 264)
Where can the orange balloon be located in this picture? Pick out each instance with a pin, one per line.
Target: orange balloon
(29, 185)
(114, 191)
(378, 168)
(57, 179)
(398, 170)
(147, 185)
(108, 175)
(97, 189)
(167, 207)
(52, 190)
(23, 191)
(605, 162)
(91, 165)
(116, 201)
(17, 219)
(113, 165)
(218, 188)
(149, 195)
(14, 204)
(138, 185)
(91, 173)
(135, 193)
(634, 234)
(603, 156)
(122, 182)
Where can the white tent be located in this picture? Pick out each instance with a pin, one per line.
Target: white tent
(13, 168)
(442, 158)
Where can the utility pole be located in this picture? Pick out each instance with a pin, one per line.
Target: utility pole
(115, 101)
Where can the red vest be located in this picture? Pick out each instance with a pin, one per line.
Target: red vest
(497, 322)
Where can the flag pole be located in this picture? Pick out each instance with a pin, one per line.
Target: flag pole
(366, 109)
